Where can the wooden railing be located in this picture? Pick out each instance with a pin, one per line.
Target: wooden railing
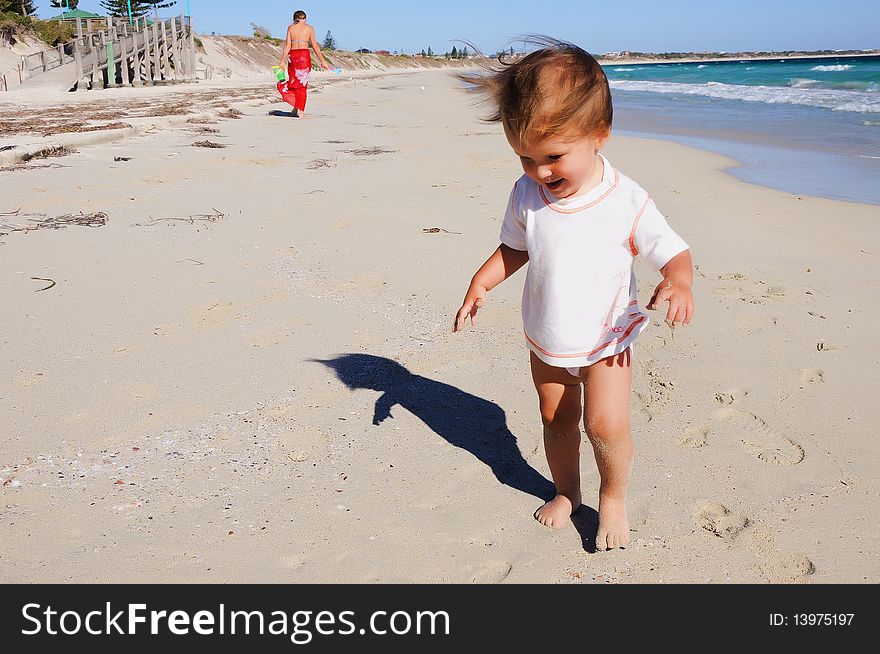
(114, 52)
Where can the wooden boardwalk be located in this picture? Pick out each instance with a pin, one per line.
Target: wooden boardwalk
(112, 52)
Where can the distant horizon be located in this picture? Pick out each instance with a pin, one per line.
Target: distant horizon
(639, 26)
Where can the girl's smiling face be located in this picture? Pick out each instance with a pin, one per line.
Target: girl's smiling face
(567, 165)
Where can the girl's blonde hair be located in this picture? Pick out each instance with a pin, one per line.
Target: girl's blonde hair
(299, 15)
(557, 89)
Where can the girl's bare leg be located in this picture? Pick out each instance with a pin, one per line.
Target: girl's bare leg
(559, 395)
(607, 387)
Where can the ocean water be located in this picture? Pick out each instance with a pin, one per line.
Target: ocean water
(803, 125)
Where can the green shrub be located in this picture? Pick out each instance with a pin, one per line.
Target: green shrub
(53, 32)
(17, 19)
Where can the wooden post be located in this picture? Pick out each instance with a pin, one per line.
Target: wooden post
(156, 57)
(192, 47)
(179, 66)
(110, 51)
(78, 57)
(189, 64)
(123, 56)
(60, 54)
(136, 56)
(148, 55)
(166, 59)
(43, 60)
(97, 75)
(5, 85)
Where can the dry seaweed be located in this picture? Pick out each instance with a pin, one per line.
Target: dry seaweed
(192, 219)
(44, 279)
(207, 144)
(45, 153)
(437, 230)
(42, 221)
(78, 128)
(202, 120)
(365, 152)
(315, 164)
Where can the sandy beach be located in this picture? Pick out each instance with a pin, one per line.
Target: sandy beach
(190, 390)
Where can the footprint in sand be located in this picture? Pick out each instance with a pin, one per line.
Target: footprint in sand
(812, 376)
(493, 572)
(694, 437)
(776, 292)
(760, 440)
(729, 397)
(717, 519)
(777, 566)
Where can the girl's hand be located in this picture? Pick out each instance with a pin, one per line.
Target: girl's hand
(473, 300)
(680, 298)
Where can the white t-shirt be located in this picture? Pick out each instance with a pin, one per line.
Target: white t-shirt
(580, 300)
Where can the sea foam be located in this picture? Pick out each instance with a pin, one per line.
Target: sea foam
(836, 100)
(832, 68)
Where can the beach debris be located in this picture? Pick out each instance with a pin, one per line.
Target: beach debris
(822, 346)
(336, 141)
(44, 279)
(205, 130)
(315, 164)
(231, 112)
(4, 148)
(96, 219)
(81, 127)
(192, 219)
(203, 120)
(208, 144)
(45, 153)
(317, 190)
(198, 263)
(121, 158)
(367, 152)
(437, 230)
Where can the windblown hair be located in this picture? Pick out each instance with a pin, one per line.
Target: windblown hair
(299, 15)
(556, 89)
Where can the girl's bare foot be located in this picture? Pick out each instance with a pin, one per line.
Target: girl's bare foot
(613, 524)
(556, 512)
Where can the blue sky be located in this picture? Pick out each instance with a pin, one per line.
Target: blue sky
(598, 26)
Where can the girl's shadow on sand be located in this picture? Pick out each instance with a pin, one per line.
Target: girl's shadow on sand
(464, 420)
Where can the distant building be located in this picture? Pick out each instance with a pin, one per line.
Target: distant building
(363, 51)
(383, 52)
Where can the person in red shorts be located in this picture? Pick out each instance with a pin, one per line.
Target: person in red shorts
(298, 59)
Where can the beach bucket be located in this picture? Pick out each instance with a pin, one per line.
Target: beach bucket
(280, 73)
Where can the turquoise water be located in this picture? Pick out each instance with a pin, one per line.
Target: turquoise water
(806, 126)
(836, 83)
